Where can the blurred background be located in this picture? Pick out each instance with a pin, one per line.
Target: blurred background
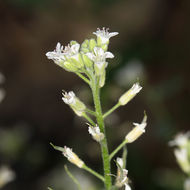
(152, 47)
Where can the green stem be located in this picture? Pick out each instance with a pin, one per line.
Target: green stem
(100, 121)
(93, 172)
(73, 178)
(117, 149)
(88, 119)
(111, 110)
(84, 78)
(90, 112)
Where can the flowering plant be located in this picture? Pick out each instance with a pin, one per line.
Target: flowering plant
(89, 62)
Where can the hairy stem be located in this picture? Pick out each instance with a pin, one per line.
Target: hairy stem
(103, 143)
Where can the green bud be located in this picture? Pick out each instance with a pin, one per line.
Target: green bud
(77, 62)
(85, 44)
(73, 42)
(70, 67)
(87, 61)
(92, 44)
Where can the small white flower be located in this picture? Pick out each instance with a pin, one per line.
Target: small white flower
(104, 35)
(72, 157)
(130, 94)
(69, 98)
(72, 51)
(180, 140)
(57, 54)
(6, 175)
(95, 132)
(136, 88)
(99, 55)
(137, 131)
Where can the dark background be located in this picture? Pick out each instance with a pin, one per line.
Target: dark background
(152, 45)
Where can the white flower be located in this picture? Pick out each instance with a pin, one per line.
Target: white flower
(95, 132)
(180, 140)
(130, 94)
(136, 88)
(6, 175)
(104, 35)
(136, 132)
(72, 51)
(69, 98)
(99, 55)
(57, 54)
(72, 157)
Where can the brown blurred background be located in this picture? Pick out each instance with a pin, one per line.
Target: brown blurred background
(152, 46)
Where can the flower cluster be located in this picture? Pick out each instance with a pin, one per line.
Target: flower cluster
(88, 58)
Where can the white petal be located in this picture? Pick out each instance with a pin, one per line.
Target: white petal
(75, 48)
(91, 56)
(113, 34)
(109, 55)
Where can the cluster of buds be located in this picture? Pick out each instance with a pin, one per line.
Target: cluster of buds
(121, 178)
(182, 152)
(88, 58)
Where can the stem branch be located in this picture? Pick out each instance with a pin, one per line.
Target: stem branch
(117, 149)
(93, 172)
(111, 110)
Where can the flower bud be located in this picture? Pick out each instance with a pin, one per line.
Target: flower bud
(137, 131)
(77, 106)
(87, 62)
(130, 94)
(70, 155)
(69, 66)
(92, 44)
(95, 132)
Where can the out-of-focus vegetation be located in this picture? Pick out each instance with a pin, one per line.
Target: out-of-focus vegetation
(152, 46)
